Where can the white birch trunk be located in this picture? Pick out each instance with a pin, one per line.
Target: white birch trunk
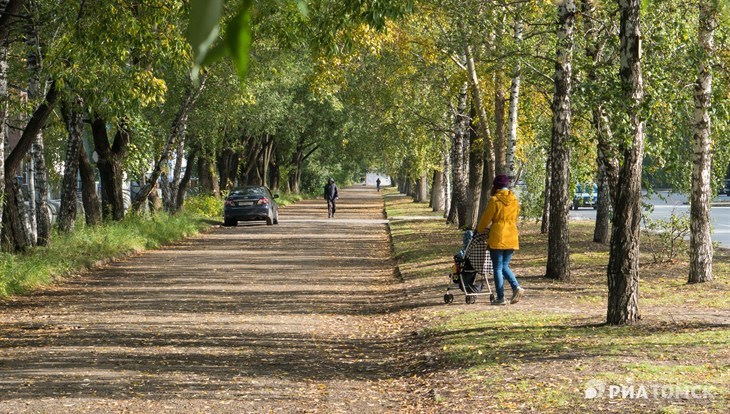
(558, 263)
(700, 241)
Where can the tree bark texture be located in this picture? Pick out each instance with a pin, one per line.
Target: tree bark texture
(185, 182)
(700, 241)
(447, 176)
(7, 17)
(3, 120)
(89, 198)
(499, 123)
(476, 171)
(437, 191)
(15, 237)
(558, 263)
(488, 175)
(110, 165)
(35, 123)
(460, 182)
(623, 262)
(74, 119)
(177, 130)
(514, 101)
(545, 223)
(422, 188)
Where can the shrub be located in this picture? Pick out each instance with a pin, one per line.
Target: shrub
(204, 206)
(666, 239)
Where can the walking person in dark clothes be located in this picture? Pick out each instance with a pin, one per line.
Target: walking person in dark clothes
(331, 195)
(377, 183)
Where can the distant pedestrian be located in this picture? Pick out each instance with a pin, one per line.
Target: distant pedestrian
(377, 183)
(500, 219)
(331, 195)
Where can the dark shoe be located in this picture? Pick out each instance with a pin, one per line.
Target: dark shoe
(517, 295)
(499, 302)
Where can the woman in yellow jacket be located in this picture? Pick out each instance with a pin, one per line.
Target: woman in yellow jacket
(500, 218)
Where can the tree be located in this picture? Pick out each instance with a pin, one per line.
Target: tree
(73, 117)
(623, 263)
(558, 265)
(700, 241)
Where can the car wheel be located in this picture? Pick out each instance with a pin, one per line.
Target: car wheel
(269, 221)
(276, 219)
(230, 222)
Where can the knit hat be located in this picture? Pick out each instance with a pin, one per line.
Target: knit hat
(501, 181)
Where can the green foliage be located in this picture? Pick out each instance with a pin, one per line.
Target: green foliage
(666, 239)
(70, 253)
(205, 206)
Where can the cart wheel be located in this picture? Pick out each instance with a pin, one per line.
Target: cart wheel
(491, 297)
(470, 300)
(448, 298)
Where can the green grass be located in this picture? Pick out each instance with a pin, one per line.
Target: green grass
(539, 356)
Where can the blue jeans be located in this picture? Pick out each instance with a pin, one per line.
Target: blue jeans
(500, 262)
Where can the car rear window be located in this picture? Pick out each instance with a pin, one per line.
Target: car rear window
(255, 191)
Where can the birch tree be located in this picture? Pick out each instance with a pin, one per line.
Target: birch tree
(623, 263)
(558, 264)
(700, 241)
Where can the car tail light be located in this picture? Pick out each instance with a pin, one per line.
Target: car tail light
(230, 202)
(262, 201)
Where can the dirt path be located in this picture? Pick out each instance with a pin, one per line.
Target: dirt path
(297, 317)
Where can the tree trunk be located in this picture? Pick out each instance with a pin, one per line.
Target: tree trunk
(447, 176)
(607, 155)
(459, 196)
(15, 236)
(488, 175)
(545, 224)
(92, 205)
(74, 120)
(700, 241)
(185, 181)
(499, 141)
(176, 132)
(43, 216)
(422, 188)
(623, 262)
(32, 227)
(514, 100)
(165, 184)
(558, 262)
(7, 17)
(109, 163)
(437, 191)
(3, 120)
(177, 172)
(207, 176)
(476, 171)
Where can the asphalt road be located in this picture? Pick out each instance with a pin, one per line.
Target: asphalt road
(666, 203)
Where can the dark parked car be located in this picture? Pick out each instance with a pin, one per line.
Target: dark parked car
(250, 203)
(586, 195)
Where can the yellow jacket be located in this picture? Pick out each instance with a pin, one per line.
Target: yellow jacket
(501, 214)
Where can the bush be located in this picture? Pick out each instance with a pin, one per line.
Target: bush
(666, 238)
(206, 206)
